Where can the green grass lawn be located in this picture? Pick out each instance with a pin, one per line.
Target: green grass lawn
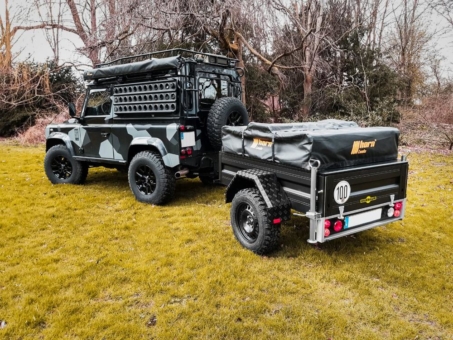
(89, 262)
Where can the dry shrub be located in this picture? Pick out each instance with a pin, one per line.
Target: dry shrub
(430, 124)
(35, 134)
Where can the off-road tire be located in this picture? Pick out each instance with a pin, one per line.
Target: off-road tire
(61, 168)
(225, 111)
(150, 180)
(263, 236)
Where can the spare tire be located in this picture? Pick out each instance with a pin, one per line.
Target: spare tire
(225, 111)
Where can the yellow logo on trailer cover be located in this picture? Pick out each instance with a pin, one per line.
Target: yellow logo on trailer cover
(360, 146)
(368, 199)
(259, 143)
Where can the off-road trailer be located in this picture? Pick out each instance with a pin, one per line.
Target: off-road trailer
(338, 201)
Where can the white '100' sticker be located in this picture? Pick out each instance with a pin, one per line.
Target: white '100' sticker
(342, 192)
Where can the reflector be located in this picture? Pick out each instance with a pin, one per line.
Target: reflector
(277, 220)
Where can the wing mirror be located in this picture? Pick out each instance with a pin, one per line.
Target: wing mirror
(72, 109)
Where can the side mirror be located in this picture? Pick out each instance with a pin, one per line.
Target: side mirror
(72, 109)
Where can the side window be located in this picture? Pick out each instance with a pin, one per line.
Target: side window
(211, 89)
(98, 103)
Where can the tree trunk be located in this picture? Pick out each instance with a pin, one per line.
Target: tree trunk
(241, 65)
(308, 84)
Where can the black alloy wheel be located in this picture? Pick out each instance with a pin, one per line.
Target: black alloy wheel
(145, 180)
(149, 179)
(235, 119)
(61, 167)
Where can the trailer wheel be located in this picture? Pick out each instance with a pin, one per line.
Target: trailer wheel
(225, 111)
(251, 222)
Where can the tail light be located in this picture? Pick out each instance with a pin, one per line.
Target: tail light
(182, 128)
(327, 224)
(185, 152)
(398, 207)
(277, 220)
(326, 232)
(338, 225)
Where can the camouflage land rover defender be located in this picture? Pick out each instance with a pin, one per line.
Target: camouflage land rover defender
(158, 118)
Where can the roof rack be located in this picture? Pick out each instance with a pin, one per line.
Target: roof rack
(212, 58)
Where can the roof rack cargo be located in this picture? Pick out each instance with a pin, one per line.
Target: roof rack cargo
(210, 58)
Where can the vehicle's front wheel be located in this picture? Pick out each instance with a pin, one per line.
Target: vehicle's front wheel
(60, 167)
(149, 179)
(251, 222)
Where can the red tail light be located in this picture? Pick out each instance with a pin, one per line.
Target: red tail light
(337, 226)
(326, 232)
(397, 213)
(398, 205)
(189, 151)
(277, 220)
(182, 128)
(327, 224)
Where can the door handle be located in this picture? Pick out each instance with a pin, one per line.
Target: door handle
(105, 134)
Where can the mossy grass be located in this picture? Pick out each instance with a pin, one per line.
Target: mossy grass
(90, 262)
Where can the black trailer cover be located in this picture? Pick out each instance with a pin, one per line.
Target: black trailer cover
(133, 68)
(335, 143)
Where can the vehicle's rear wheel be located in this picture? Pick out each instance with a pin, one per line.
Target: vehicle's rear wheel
(60, 167)
(225, 111)
(149, 179)
(251, 222)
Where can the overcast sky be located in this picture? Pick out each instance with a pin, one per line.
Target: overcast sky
(33, 44)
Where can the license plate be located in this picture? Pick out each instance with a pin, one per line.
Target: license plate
(362, 218)
(187, 139)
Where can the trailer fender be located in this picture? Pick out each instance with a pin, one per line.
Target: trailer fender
(267, 183)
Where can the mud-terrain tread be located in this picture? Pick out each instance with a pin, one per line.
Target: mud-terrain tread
(218, 115)
(269, 237)
(165, 190)
(79, 169)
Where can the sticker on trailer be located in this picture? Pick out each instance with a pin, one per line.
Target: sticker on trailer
(342, 192)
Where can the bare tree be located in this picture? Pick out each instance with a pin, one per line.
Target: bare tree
(408, 42)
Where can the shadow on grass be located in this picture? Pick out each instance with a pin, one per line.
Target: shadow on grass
(294, 233)
(186, 189)
(294, 243)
